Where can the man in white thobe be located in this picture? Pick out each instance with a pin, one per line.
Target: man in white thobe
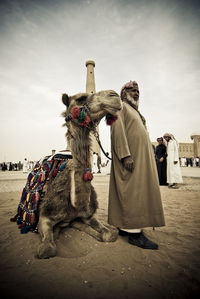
(174, 176)
(95, 168)
(25, 166)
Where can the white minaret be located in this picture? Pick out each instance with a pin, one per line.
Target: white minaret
(90, 81)
(90, 88)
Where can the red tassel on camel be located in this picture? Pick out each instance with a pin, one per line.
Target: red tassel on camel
(87, 176)
(110, 119)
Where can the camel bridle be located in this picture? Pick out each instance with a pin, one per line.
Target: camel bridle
(92, 125)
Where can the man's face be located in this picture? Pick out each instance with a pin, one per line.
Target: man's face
(160, 141)
(167, 138)
(134, 93)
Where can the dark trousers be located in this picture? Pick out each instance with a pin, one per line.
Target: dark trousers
(162, 172)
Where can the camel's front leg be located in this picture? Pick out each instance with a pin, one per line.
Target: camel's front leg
(47, 247)
(108, 233)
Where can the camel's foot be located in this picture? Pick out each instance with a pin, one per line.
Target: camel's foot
(109, 235)
(46, 250)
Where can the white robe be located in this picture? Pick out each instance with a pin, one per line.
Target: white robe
(173, 170)
(94, 168)
(25, 166)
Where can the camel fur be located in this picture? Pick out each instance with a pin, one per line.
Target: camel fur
(69, 200)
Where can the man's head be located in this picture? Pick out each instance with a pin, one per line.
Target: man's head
(167, 137)
(160, 140)
(130, 93)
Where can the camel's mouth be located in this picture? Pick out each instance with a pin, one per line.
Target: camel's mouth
(113, 109)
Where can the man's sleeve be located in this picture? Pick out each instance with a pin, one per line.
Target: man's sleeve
(118, 137)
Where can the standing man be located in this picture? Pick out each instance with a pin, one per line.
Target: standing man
(25, 166)
(98, 163)
(95, 168)
(161, 154)
(173, 167)
(134, 192)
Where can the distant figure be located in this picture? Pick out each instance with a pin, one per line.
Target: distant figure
(94, 168)
(183, 161)
(98, 163)
(20, 165)
(4, 166)
(174, 176)
(10, 166)
(161, 154)
(197, 162)
(25, 166)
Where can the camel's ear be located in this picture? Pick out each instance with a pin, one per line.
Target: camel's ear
(65, 99)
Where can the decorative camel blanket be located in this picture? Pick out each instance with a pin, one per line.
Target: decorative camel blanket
(37, 182)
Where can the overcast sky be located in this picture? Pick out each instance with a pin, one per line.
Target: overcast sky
(44, 46)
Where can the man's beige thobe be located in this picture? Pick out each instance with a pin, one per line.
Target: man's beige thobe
(134, 198)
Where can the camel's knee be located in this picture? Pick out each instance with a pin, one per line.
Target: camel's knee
(45, 228)
(47, 247)
(109, 236)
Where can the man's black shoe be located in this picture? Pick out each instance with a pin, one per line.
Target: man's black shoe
(141, 240)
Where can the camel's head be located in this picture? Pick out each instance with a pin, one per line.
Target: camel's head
(87, 110)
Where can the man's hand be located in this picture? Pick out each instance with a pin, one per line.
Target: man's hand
(161, 159)
(128, 163)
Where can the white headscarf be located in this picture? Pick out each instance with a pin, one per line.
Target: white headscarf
(171, 136)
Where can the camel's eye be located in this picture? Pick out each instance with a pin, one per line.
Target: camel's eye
(81, 100)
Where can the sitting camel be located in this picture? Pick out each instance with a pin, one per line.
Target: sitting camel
(70, 198)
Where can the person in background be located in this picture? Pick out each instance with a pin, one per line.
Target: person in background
(25, 166)
(174, 176)
(10, 166)
(94, 168)
(98, 163)
(197, 162)
(161, 154)
(183, 161)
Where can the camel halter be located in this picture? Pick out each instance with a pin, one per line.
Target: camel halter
(96, 135)
(82, 117)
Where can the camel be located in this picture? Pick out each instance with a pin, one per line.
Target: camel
(70, 199)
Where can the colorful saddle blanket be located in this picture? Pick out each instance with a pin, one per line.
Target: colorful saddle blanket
(43, 172)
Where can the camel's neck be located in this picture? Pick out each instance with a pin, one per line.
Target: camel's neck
(79, 142)
(80, 147)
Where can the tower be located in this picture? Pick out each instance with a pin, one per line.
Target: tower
(90, 88)
(90, 81)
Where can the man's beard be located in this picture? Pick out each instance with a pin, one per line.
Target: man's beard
(132, 101)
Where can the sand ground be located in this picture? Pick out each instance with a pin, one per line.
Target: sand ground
(86, 268)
